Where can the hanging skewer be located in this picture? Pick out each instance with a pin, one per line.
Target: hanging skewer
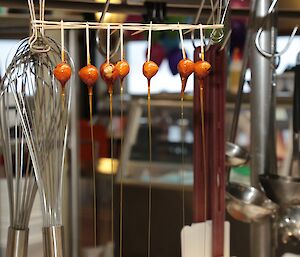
(89, 75)
(109, 74)
(123, 69)
(150, 69)
(63, 70)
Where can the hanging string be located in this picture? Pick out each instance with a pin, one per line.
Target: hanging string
(88, 60)
(213, 10)
(43, 16)
(203, 135)
(181, 175)
(150, 150)
(30, 9)
(111, 138)
(220, 11)
(33, 18)
(121, 166)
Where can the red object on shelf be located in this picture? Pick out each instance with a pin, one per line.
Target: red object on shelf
(100, 140)
(214, 111)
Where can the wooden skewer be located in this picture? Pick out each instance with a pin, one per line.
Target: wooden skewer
(202, 42)
(138, 27)
(62, 35)
(182, 44)
(108, 44)
(149, 42)
(88, 57)
(122, 42)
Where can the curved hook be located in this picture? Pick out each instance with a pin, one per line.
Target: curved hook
(258, 35)
(100, 47)
(277, 54)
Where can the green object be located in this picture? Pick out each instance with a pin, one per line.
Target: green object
(243, 170)
(240, 175)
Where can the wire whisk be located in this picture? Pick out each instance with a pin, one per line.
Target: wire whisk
(19, 172)
(43, 113)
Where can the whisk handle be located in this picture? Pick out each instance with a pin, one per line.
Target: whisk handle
(53, 241)
(17, 242)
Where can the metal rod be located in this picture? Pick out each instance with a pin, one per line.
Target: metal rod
(260, 235)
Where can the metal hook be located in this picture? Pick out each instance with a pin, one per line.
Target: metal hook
(277, 54)
(98, 41)
(272, 6)
(259, 32)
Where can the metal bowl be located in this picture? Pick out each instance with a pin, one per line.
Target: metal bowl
(236, 155)
(247, 204)
(289, 224)
(284, 191)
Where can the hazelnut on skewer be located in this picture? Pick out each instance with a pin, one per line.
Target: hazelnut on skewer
(109, 74)
(150, 69)
(89, 75)
(123, 69)
(202, 69)
(63, 71)
(185, 66)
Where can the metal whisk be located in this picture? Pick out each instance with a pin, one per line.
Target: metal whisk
(19, 173)
(43, 114)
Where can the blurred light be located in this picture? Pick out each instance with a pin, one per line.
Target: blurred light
(111, 17)
(104, 165)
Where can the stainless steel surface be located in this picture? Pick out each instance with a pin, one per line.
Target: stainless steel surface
(261, 244)
(260, 91)
(74, 146)
(247, 204)
(17, 242)
(289, 224)
(236, 155)
(53, 241)
(284, 191)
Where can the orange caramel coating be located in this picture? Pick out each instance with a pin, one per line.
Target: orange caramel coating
(185, 68)
(89, 75)
(150, 68)
(62, 73)
(123, 68)
(202, 69)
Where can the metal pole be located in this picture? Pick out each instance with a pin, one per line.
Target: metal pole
(260, 234)
(74, 146)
